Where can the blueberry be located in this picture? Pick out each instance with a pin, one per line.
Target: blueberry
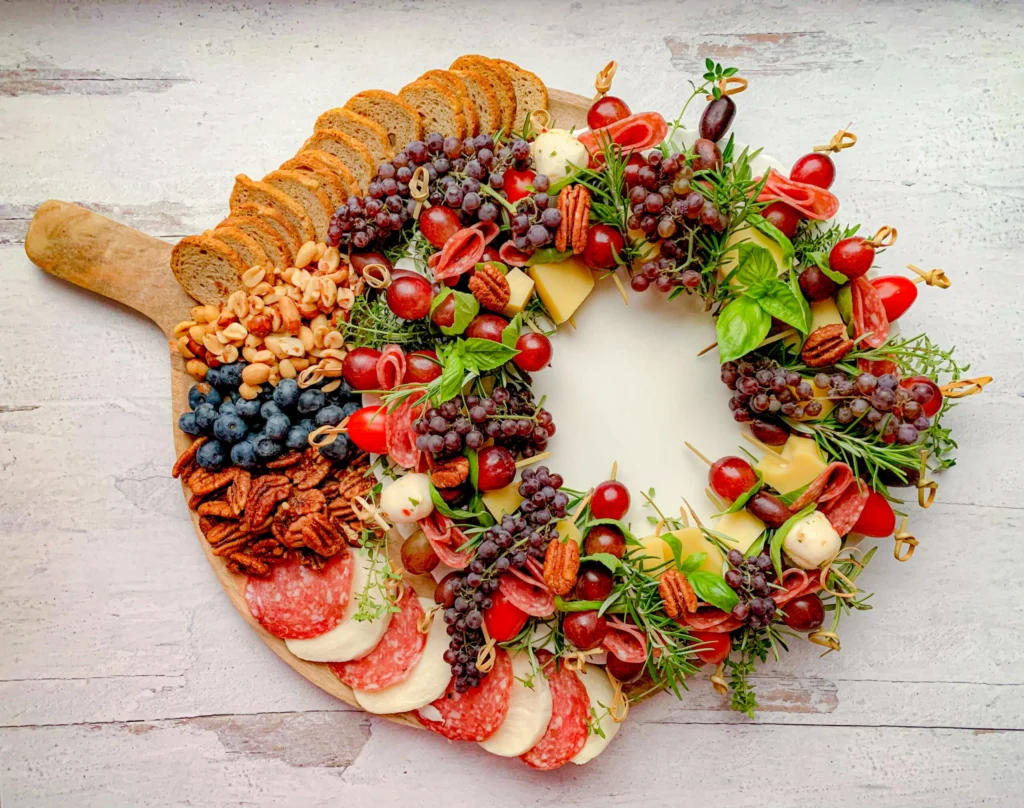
(269, 409)
(286, 394)
(266, 447)
(214, 397)
(308, 424)
(231, 375)
(249, 410)
(213, 377)
(205, 416)
(331, 414)
(235, 396)
(343, 393)
(211, 455)
(230, 428)
(297, 437)
(243, 455)
(187, 424)
(197, 395)
(310, 401)
(336, 450)
(350, 407)
(227, 406)
(277, 426)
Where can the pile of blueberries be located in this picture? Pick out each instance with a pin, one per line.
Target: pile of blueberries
(247, 433)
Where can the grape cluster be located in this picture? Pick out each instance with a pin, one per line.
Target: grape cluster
(508, 417)
(460, 168)
(879, 404)
(537, 218)
(765, 388)
(751, 579)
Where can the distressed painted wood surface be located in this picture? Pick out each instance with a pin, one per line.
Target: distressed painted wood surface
(127, 678)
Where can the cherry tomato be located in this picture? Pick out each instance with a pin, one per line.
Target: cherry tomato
(594, 582)
(438, 224)
(517, 183)
(497, 468)
(632, 170)
(362, 260)
(877, 519)
(814, 169)
(604, 243)
(916, 385)
(487, 326)
(898, 294)
(444, 314)
(585, 630)
(717, 646)
(606, 110)
(852, 257)
(421, 367)
(605, 539)
(804, 614)
(731, 477)
(784, 217)
(623, 671)
(534, 352)
(360, 368)
(409, 297)
(366, 429)
(610, 500)
(503, 620)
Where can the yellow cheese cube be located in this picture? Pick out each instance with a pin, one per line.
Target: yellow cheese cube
(742, 528)
(522, 290)
(567, 527)
(756, 237)
(562, 287)
(798, 464)
(823, 312)
(694, 541)
(504, 500)
(656, 552)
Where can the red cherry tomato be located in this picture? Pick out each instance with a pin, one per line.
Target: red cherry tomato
(852, 257)
(366, 429)
(877, 519)
(421, 367)
(444, 314)
(360, 368)
(606, 110)
(486, 326)
(604, 243)
(730, 477)
(410, 296)
(932, 404)
(814, 169)
(632, 171)
(497, 468)
(784, 217)
(717, 646)
(517, 183)
(610, 500)
(438, 224)
(503, 620)
(898, 294)
(534, 352)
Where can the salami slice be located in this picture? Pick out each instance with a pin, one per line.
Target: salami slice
(797, 583)
(813, 202)
(460, 253)
(527, 594)
(476, 714)
(570, 708)
(868, 313)
(709, 618)
(393, 658)
(399, 434)
(638, 132)
(391, 367)
(826, 487)
(445, 538)
(294, 602)
(511, 256)
(877, 367)
(844, 511)
(626, 641)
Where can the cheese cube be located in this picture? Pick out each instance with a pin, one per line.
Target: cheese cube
(823, 312)
(798, 464)
(562, 287)
(656, 552)
(504, 500)
(567, 527)
(522, 290)
(742, 528)
(694, 541)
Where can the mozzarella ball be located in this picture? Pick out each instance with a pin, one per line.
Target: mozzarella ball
(812, 542)
(407, 500)
(554, 150)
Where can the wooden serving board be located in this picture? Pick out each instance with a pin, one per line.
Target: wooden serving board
(128, 266)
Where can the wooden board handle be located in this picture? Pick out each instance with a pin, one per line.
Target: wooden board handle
(108, 258)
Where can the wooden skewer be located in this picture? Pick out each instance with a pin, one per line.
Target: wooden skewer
(781, 335)
(697, 452)
(622, 289)
(764, 446)
(529, 461)
(714, 499)
(615, 470)
(583, 504)
(572, 320)
(693, 513)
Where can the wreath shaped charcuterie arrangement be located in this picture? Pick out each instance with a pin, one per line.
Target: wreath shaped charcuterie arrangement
(370, 454)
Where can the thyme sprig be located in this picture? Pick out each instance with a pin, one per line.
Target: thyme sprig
(815, 237)
(752, 646)
(372, 324)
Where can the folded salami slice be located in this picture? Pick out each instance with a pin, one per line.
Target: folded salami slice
(399, 434)
(570, 708)
(626, 641)
(868, 313)
(391, 367)
(877, 367)
(797, 583)
(445, 538)
(638, 132)
(709, 618)
(813, 202)
(394, 657)
(826, 486)
(844, 511)
(476, 714)
(511, 256)
(527, 594)
(294, 602)
(462, 251)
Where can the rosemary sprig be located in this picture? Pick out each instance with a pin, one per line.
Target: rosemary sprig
(372, 324)
(814, 237)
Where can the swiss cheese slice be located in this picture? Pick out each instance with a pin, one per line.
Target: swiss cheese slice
(504, 500)
(693, 541)
(599, 688)
(529, 711)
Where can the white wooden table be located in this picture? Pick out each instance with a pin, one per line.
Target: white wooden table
(125, 676)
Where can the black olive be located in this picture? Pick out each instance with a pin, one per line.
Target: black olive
(717, 118)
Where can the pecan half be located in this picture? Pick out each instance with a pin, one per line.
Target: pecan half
(450, 473)
(319, 534)
(561, 566)
(266, 492)
(238, 493)
(354, 483)
(580, 219)
(286, 460)
(186, 460)
(566, 205)
(490, 287)
(245, 564)
(826, 346)
(677, 593)
(203, 482)
(310, 471)
(218, 508)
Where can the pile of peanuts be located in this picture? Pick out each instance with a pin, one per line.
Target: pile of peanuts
(281, 324)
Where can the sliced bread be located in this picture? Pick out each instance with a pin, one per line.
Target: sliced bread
(485, 100)
(273, 218)
(347, 149)
(454, 82)
(336, 166)
(247, 190)
(252, 254)
(207, 268)
(367, 131)
(531, 94)
(266, 235)
(440, 108)
(337, 190)
(305, 189)
(399, 120)
(500, 80)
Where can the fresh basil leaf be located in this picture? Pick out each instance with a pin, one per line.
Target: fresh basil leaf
(780, 536)
(446, 509)
(776, 235)
(760, 289)
(548, 255)
(675, 545)
(754, 264)
(474, 466)
(844, 302)
(466, 308)
(821, 262)
(610, 601)
(440, 298)
(758, 545)
(692, 562)
(712, 588)
(782, 303)
(451, 379)
(742, 326)
(743, 498)
(484, 354)
(496, 264)
(607, 559)
(510, 333)
(792, 496)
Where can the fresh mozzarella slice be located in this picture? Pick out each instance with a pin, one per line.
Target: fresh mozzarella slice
(351, 638)
(428, 680)
(529, 712)
(599, 688)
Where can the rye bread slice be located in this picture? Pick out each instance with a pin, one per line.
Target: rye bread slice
(337, 190)
(305, 190)
(207, 268)
(454, 82)
(400, 121)
(481, 91)
(500, 80)
(439, 107)
(531, 94)
(252, 254)
(272, 242)
(247, 190)
(367, 131)
(273, 218)
(347, 149)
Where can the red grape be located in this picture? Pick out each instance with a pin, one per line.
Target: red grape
(916, 385)
(709, 156)
(594, 582)
(852, 257)
(784, 217)
(606, 110)
(360, 368)
(815, 284)
(898, 294)
(623, 671)
(418, 556)
(605, 539)
(632, 171)
(409, 297)
(769, 432)
(717, 118)
(362, 260)
(731, 477)
(877, 520)
(769, 509)
(444, 314)
(421, 367)
(814, 169)
(610, 500)
(438, 224)
(497, 468)
(487, 326)
(604, 245)
(585, 630)
(805, 613)
(447, 588)
(534, 352)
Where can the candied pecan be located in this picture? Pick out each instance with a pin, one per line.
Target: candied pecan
(320, 535)
(449, 473)
(203, 482)
(245, 564)
(490, 287)
(580, 220)
(238, 493)
(677, 593)
(310, 471)
(232, 544)
(266, 492)
(186, 460)
(265, 548)
(194, 502)
(826, 346)
(561, 566)
(285, 460)
(303, 502)
(566, 203)
(354, 483)
(341, 509)
(221, 532)
(218, 508)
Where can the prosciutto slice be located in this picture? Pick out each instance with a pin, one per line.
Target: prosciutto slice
(400, 437)
(797, 583)
(527, 593)
(638, 132)
(826, 486)
(511, 256)
(462, 251)
(709, 618)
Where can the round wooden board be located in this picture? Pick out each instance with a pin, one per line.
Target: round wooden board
(128, 266)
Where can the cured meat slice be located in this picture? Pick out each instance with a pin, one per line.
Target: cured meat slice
(527, 594)
(868, 313)
(570, 708)
(445, 539)
(462, 251)
(643, 130)
(476, 714)
(626, 641)
(399, 434)
(511, 256)
(394, 657)
(294, 602)
(826, 486)
(844, 511)
(797, 583)
(877, 367)
(709, 618)
(813, 202)
(391, 367)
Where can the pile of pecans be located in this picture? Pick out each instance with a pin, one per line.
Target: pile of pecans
(281, 325)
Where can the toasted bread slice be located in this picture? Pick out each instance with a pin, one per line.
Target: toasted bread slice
(367, 131)
(500, 80)
(272, 242)
(347, 149)
(485, 100)
(252, 254)
(440, 108)
(276, 220)
(330, 183)
(207, 268)
(336, 165)
(531, 94)
(305, 189)
(247, 190)
(399, 120)
(454, 82)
